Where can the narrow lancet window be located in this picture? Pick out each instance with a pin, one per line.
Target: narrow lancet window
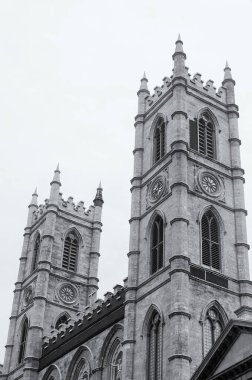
(210, 237)
(159, 140)
(23, 341)
(213, 326)
(70, 252)
(157, 244)
(154, 347)
(63, 319)
(36, 253)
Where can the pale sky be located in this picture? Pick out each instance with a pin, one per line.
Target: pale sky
(69, 73)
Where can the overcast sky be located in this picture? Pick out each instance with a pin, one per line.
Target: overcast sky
(69, 73)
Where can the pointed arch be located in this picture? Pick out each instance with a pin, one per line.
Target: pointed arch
(24, 328)
(71, 249)
(111, 355)
(60, 319)
(81, 364)
(216, 214)
(203, 135)
(210, 239)
(153, 336)
(152, 308)
(36, 249)
(156, 237)
(74, 229)
(52, 373)
(213, 320)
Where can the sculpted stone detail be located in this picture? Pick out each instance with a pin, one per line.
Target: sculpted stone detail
(28, 295)
(67, 293)
(156, 189)
(211, 184)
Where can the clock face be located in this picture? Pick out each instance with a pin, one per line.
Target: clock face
(157, 189)
(67, 293)
(209, 184)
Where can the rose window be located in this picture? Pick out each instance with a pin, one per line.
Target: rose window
(67, 293)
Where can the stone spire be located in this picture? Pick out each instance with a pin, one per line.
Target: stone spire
(179, 58)
(98, 201)
(142, 94)
(34, 200)
(55, 185)
(229, 83)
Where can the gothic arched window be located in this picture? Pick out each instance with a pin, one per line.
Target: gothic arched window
(159, 140)
(63, 319)
(210, 236)
(23, 340)
(202, 135)
(117, 367)
(157, 244)
(36, 253)
(70, 252)
(154, 347)
(213, 326)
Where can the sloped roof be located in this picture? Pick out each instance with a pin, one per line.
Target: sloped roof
(230, 356)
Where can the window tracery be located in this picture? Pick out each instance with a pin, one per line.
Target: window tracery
(154, 347)
(213, 326)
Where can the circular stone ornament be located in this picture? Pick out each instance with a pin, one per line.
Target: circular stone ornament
(157, 189)
(67, 293)
(210, 184)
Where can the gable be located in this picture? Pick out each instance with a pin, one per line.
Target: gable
(239, 351)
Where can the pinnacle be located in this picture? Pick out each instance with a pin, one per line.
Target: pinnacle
(56, 177)
(99, 186)
(35, 193)
(143, 85)
(179, 38)
(227, 72)
(57, 169)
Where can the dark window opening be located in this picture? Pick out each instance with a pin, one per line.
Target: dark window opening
(61, 320)
(210, 241)
(159, 140)
(70, 252)
(36, 253)
(23, 342)
(154, 348)
(202, 135)
(157, 244)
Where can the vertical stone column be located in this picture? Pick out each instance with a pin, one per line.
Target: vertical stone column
(10, 355)
(133, 255)
(245, 311)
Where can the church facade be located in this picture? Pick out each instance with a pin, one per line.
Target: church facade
(187, 294)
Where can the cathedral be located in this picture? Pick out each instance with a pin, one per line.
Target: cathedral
(185, 309)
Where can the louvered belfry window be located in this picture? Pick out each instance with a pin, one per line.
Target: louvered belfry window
(70, 252)
(202, 135)
(23, 342)
(213, 326)
(36, 253)
(210, 241)
(159, 140)
(157, 244)
(154, 348)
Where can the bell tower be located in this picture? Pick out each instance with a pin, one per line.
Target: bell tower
(188, 252)
(57, 274)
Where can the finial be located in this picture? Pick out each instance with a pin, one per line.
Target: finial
(227, 74)
(143, 85)
(98, 201)
(56, 177)
(34, 200)
(179, 48)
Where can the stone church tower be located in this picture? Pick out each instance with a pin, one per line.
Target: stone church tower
(188, 266)
(188, 258)
(52, 288)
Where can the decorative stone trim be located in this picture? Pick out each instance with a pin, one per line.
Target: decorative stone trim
(138, 150)
(133, 253)
(177, 150)
(179, 184)
(242, 245)
(130, 341)
(179, 220)
(180, 356)
(50, 236)
(235, 139)
(180, 257)
(175, 313)
(179, 142)
(95, 254)
(134, 218)
(179, 270)
(179, 113)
